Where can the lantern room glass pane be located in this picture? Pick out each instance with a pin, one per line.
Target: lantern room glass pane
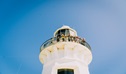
(72, 33)
(67, 33)
(62, 32)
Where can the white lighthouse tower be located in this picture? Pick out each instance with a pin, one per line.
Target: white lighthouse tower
(65, 53)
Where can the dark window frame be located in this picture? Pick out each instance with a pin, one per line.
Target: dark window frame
(65, 71)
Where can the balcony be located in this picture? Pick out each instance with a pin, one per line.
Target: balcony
(75, 39)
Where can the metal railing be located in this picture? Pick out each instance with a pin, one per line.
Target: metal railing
(65, 39)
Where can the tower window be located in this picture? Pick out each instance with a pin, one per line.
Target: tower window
(65, 71)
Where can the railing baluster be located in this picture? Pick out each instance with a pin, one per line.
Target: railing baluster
(65, 39)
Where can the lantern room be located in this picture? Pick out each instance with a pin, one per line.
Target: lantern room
(66, 31)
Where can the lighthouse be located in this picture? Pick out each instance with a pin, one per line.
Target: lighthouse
(65, 53)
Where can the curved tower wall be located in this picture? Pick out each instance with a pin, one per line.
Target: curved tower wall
(65, 55)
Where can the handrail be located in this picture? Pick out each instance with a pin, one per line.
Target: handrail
(65, 39)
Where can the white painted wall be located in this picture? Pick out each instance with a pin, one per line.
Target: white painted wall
(69, 55)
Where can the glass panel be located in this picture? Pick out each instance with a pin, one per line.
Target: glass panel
(62, 32)
(72, 33)
(58, 33)
(65, 71)
(67, 33)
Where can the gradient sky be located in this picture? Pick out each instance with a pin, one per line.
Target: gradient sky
(26, 24)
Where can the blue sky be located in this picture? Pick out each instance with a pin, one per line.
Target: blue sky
(26, 24)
